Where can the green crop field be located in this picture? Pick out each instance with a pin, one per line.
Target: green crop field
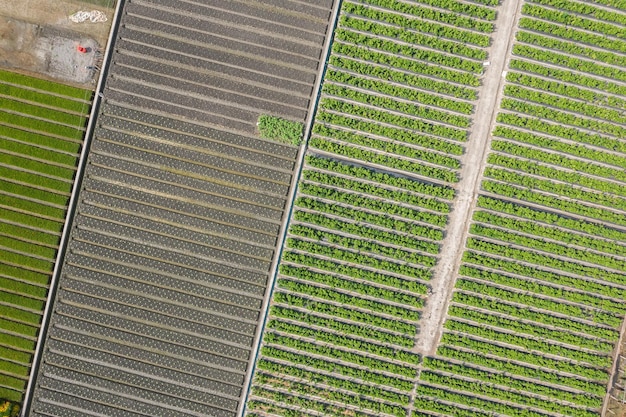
(371, 209)
(539, 301)
(41, 131)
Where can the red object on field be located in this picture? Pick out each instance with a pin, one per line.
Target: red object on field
(81, 49)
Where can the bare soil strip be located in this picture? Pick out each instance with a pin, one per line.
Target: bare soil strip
(444, 276)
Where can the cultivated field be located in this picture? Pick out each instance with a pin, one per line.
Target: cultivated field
(539, 302)
(181, 209)
(41, 130)
(372, 206)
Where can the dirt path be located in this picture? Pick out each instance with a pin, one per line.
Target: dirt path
(445, 273)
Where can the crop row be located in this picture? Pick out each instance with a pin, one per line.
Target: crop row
(584, 226)
(397, 134)
(584, 298)
(333, 381)
(361, 245)
(530, 358)
(343, 340)
(528, 343)
(383, 159)
(300, 401)
(554, 202)
(398, 91)
(384, 102)
(537, 229)
(505, 365)
(452, 19)
(345, 355)
(309, 390)
(345, 313)
(600, 28)
(416, 38)
(560, 160)
(560, 131)
(588, 9)
(388, 146)
(379, 43)
(463, 8)
(570, 48)
(354, 271)
(562, 189)
(559, 307)
(573, 63)
(505, 379)
(341, 369)
(576, 176)
(567, 251)
(562, 89)
(344, 298)
(358, 258)
(531, 329)
(505, 395)
(404, 78)
(562, 148)
(371, 204)
(374, 56)
(548, 276)
(545, 260)
(384, 179)
(393, 119)
(563, 118)
(368, 232)
(341, 326)
(443, 31)
(564, 103)
(568, 76)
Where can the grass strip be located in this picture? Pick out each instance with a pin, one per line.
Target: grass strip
(43, 140)
(45, 85)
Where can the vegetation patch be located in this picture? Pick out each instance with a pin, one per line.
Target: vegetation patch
(279, 129)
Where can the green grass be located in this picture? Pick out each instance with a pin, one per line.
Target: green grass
(28, 191)
(43, 112)
(26, 247)
(16, 258)
(11, 396)
(15, 355)
(28, 220)
(40, 278)
(17, 314)
(15, 327)
(16, 341)
(36, 166)
(40, 126)
(39, 153)
(43, 140)
(30, 178)
(49, 86)
(43, 98)
(34, 291)
(29, 234)
(35, 208)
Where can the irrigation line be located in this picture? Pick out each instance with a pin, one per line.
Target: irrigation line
(69, 217)
(328, 42)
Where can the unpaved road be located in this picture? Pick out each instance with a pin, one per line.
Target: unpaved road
(444, 278)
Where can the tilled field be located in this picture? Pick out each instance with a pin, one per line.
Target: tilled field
(181, 206)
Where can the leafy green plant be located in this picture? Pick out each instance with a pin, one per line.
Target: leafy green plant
(279, 129)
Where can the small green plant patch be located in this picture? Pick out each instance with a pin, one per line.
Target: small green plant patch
(25, 233)
(280, 130)
(22, 316)
(56, 186)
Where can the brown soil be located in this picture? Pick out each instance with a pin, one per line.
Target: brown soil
(38, 38)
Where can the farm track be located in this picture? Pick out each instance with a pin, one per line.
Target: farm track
(171, 249)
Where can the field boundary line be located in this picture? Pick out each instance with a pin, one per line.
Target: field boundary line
(69, 216)
(273, 275)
